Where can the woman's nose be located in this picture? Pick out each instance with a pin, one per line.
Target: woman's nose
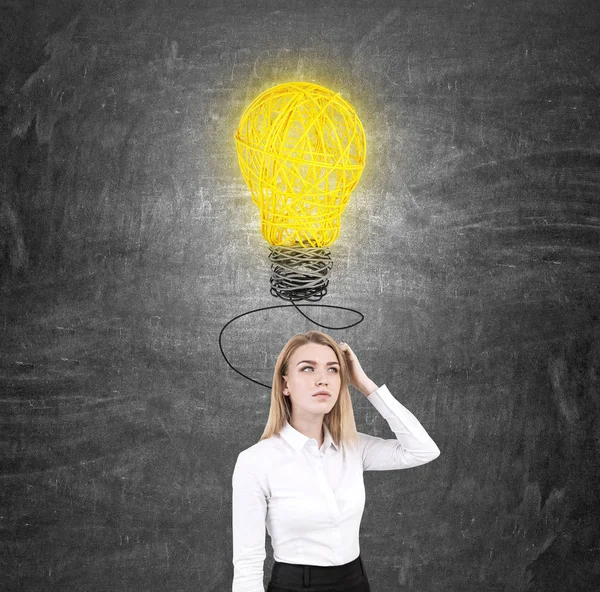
(321, 379)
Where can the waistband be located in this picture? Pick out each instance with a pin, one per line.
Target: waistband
(296, 574)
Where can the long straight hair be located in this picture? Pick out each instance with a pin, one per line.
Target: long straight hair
(340, 420)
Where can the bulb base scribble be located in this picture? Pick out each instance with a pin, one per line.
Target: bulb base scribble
(300, 273)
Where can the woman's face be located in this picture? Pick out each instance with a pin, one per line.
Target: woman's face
(312, 368)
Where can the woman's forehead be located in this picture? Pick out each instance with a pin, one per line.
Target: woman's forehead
(314, 352)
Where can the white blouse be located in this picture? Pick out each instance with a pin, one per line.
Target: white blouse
(311, 499)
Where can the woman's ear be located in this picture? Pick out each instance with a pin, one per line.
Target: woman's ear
(284, 387)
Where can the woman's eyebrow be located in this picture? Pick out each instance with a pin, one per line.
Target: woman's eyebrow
(313, 362)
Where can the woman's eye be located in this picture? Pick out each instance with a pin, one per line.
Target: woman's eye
(306, 368)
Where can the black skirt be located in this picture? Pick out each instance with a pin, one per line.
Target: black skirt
(290, 577)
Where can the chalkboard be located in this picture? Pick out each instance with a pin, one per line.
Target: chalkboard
(128, 239)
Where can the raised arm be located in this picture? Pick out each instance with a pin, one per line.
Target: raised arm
(249, 510)
(412, 447)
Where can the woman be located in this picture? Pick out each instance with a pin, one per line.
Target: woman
(304, 479)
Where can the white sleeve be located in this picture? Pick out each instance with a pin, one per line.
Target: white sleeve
(412, 447)
(249, 510)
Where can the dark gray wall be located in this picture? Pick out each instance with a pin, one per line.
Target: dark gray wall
(129, 239)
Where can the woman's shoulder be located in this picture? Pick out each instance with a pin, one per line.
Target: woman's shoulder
(258, 451)
(256, 459)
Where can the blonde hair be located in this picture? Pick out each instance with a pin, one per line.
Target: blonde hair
(340, 420)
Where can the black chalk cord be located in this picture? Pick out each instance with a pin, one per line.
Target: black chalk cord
(286, 306)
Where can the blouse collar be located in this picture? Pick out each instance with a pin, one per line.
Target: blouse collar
(297, 440)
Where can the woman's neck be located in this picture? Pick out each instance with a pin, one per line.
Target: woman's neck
(310, 427)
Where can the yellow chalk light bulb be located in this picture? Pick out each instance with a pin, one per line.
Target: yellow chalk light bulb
(301, 149)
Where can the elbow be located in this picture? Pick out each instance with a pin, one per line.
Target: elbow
(418, 457)
(435, 452)
(431, 453)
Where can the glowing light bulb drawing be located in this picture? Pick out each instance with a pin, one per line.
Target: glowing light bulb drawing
(301, 149)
